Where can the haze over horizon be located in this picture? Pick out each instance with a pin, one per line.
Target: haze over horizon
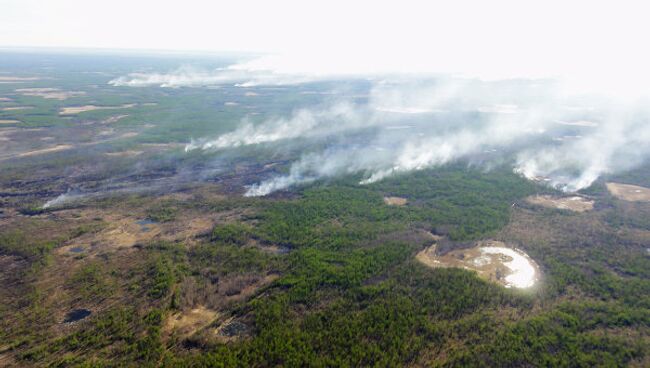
(490, 40)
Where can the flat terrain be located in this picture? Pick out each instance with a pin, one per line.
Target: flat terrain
(571, 203)
(626, 192)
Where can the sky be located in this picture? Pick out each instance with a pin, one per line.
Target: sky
(489, 38)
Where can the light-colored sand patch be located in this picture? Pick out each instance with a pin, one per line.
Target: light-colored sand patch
(58, 148)
(573, 203)
(49, 93)
(185, 324)
(129, 153)
(16, 108)
(113, 119)
(627, 192)
(150, 104)
(18, 79)
(9, 121)
(251, 94)
(395, 201)
(79, 109)
(231, 104)
(5, 99)
(491, 260)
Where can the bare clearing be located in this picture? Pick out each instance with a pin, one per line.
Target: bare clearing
(627, 192)
(18, 79)
(491, 260)
(79, 109)
(16, 108)
(573, 203)
(187, 323)
(129, 153)
(395, 201)
(49, 93)
(9, 121)
(113, 119)
(58, 148)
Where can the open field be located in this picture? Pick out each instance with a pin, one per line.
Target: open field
(628, 192)
(573, 203)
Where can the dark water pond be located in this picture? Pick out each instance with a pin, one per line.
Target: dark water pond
(77, 249)
(76, 315)
(143, 224)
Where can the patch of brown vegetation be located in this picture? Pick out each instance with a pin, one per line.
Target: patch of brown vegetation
(395, 201)
(49, 93)
(573, 203)
(120, 233)
(128, 153)
(627, 192)
(18, 79)
(186, 323)
(57, 148)
(114, 119)
(16, 108)
(79, 109)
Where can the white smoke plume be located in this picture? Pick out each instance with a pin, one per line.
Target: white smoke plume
(61, 200)
(303, 123)
(569, 155)
(237, 74)
(566, 133)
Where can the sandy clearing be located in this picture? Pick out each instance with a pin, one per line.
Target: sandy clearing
(49, 93)
(58, 148)
(79, 109)
(573, 203)
(187, 323)
(16, 108)
(627, 192)
(491, 260)
(5, 99)
(113, 119)
(129, 153)
(18, 79)
(9, 121)
(395, 201)
(129, 135)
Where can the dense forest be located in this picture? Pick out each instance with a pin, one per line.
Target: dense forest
(346, 289)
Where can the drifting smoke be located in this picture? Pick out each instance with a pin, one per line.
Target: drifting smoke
(61, 200)
(303, 123)
(188, 76)
(550, 143)
(421, 121)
